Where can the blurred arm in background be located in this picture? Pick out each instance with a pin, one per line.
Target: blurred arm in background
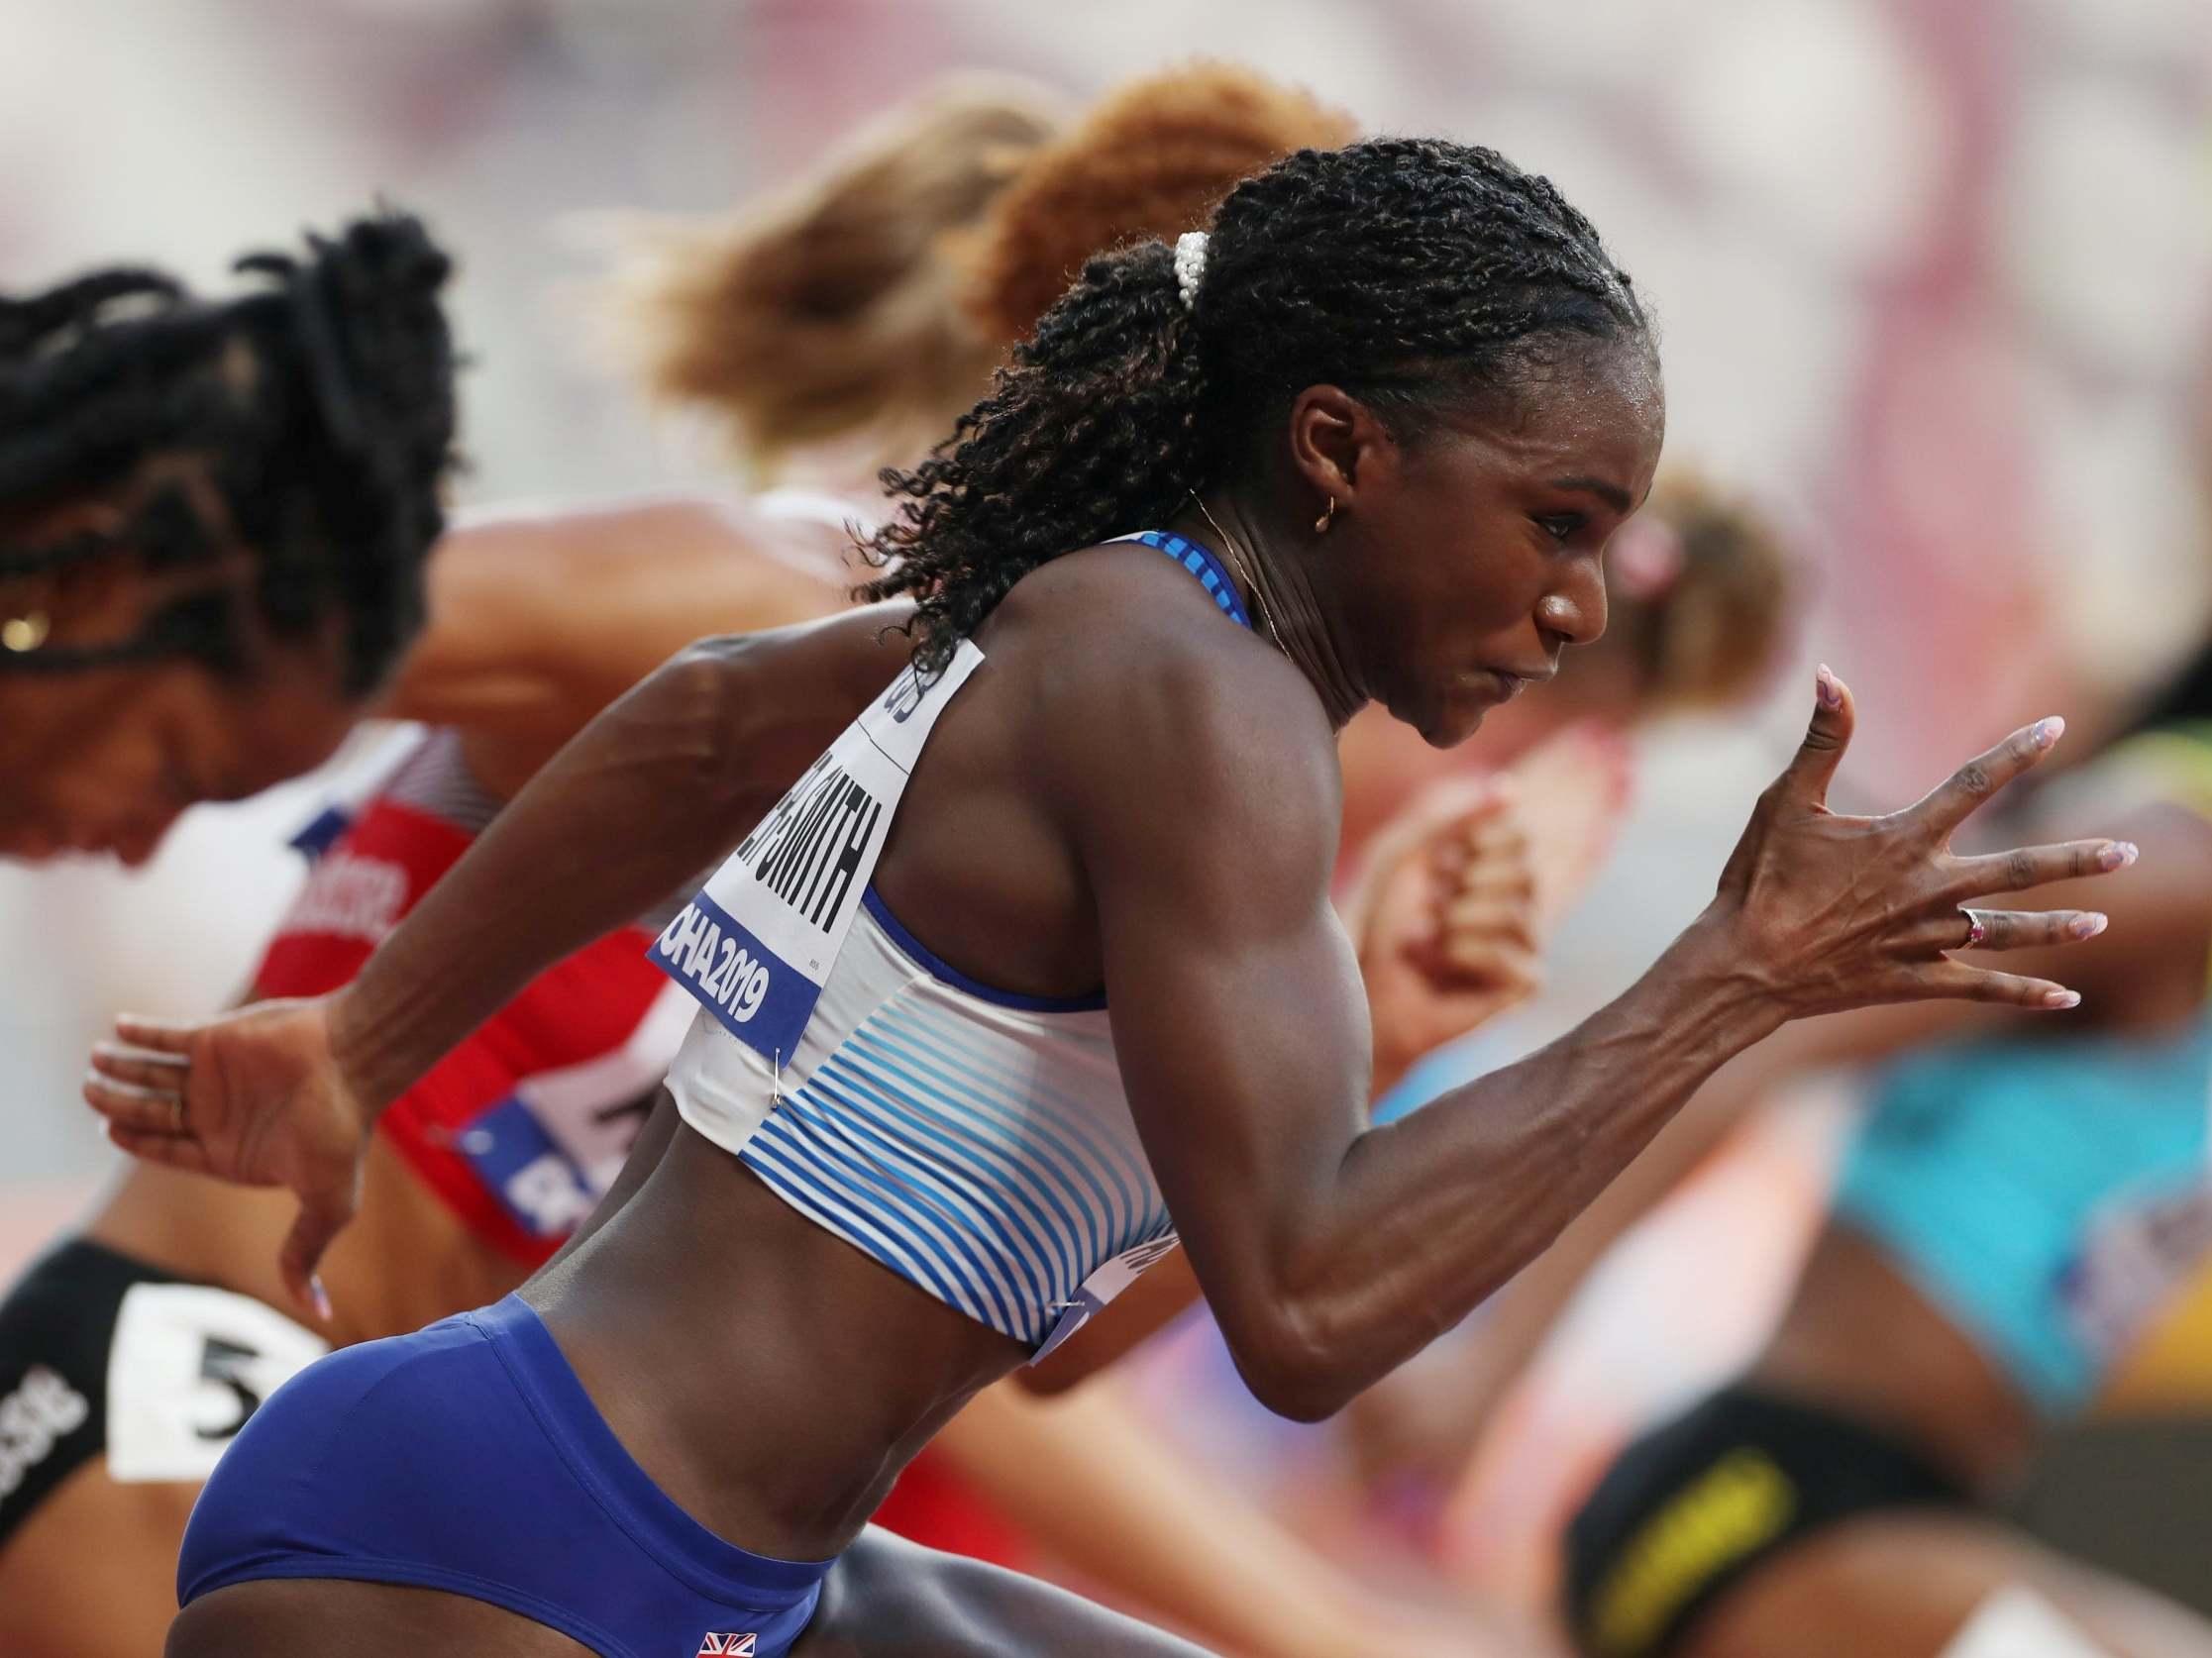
(542, 616)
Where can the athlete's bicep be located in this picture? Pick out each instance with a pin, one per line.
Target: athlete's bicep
(1238, 1016)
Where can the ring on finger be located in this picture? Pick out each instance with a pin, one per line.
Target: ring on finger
(1977, 929)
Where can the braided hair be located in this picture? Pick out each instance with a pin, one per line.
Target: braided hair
(307, 423)
(1423, 276)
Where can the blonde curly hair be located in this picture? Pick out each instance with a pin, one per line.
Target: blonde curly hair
(1150, 161)
(827, 311)
(870, 302)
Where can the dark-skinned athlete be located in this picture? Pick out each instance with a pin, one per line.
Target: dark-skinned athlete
(1033, 974)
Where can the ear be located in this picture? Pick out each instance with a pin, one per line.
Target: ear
(1339, 444)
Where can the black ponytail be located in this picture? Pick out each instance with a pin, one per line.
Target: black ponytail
(1420, 275)
(1089, 431)
(309, 422)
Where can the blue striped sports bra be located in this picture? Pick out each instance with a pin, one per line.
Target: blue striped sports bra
(976, 1142)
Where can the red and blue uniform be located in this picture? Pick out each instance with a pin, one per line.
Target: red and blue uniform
(522, 1127)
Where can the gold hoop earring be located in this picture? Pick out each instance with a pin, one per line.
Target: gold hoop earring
(25, 634)
(1328, 517)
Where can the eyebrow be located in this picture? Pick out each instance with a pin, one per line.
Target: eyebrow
(1612, 494)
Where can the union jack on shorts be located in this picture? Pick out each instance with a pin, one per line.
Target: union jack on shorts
(728, 1647)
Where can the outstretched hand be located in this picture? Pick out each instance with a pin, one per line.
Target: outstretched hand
(1826, 912)
(255, 1097)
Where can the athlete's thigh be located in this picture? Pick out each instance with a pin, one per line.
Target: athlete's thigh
(1904, 1584)
(285, 1618)
(888, 1597)
(91, 1571)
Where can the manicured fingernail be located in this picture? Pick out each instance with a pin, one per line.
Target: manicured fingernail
(321, 1299)
(2088, 926)
(2118, 856)
(2061, 999)
(2049, 731)
(1832, 693)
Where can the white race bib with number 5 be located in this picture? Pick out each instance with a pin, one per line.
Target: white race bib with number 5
(187, 1366)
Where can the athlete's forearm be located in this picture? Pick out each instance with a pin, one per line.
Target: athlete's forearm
(1428, 1215)
(643, 799)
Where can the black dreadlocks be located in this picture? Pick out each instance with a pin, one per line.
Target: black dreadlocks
(309, 422)
(1422, 276)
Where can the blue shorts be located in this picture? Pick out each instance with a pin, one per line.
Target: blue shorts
(2040, 1192)
(467, 1457)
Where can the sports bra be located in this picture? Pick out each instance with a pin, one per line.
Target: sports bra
(521, 1128)
(975, 1141)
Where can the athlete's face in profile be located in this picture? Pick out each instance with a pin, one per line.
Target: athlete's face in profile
(103, 759)
(1470, 559)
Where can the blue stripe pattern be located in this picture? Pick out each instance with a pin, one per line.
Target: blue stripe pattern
(917, 1144)
(944, 1136)
(1199, 561)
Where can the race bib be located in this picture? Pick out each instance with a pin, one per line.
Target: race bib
(188, 1365)
(757, 944)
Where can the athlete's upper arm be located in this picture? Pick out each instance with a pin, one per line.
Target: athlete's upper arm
(539, 618)
(1205, 821)
(770, 701)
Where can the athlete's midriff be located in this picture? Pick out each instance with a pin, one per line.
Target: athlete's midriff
(1860, 1338)
(771, 1378)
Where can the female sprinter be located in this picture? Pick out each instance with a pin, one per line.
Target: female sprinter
(2013, 1213)
(212, 559)
(539, 620)
(224, 509)
(908, 1143)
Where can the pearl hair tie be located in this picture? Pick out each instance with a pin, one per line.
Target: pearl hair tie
(1190, 265)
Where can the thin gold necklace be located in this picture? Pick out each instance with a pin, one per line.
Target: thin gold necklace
(1259, 601)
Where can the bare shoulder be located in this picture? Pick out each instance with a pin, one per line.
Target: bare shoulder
(554, 611)
(1147, 700)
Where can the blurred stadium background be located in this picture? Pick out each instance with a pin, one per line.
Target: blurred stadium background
(1935, 278)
